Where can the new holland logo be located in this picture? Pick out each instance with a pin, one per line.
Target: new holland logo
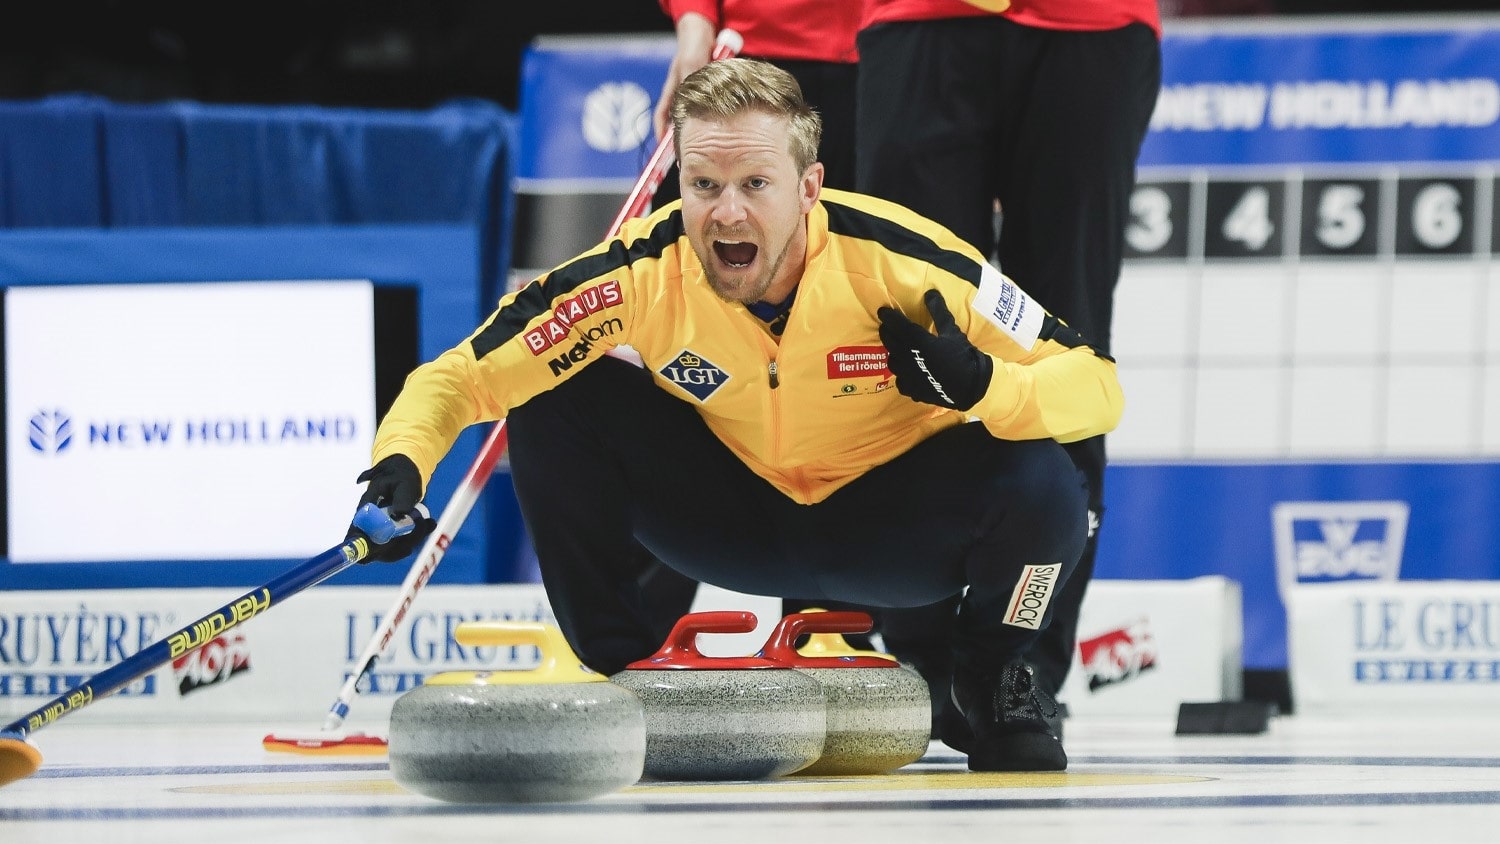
(695, 374)
(50, 431)
(616, 117)
(1326, 541)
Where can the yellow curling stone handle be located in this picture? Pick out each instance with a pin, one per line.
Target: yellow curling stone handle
(834, 644)
(558, 663)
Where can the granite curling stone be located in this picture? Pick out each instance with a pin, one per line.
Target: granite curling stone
(879, 713)
(723, 718)
(552, 734)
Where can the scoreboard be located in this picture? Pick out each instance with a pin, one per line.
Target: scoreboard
(1379, 213)
(1308, 322)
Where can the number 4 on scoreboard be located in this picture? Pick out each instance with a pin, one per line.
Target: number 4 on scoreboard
(1245, 220)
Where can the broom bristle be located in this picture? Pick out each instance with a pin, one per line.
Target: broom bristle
(325, 744)
(19, 758)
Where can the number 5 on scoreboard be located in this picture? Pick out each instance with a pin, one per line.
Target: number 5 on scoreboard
(1341, 217)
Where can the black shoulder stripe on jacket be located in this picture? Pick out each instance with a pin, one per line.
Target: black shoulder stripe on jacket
(537, 298)
(1055, 329)
(851, 222)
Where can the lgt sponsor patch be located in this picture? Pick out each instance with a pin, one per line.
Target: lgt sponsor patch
(695, 374)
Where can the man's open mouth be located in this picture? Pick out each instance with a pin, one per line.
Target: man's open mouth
(736, 253)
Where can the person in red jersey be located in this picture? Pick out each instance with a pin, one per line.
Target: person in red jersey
(1039, 107)
(811, 39)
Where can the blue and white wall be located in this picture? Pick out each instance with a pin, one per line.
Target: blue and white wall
(1304, 324)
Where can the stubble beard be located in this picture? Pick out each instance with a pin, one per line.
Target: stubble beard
(738, 293)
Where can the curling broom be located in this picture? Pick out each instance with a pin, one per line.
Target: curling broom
(20, 757)
(332, 739)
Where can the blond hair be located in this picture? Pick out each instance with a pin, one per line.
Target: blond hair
(722, 89)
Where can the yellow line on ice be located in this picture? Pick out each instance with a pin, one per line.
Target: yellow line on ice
(916, 781)
(898, 781)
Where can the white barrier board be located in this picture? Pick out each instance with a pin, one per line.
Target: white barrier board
(1150, 646)
(1146, 646)
(288, 664)
(1407, 647)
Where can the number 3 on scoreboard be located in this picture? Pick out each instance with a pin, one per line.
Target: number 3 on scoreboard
(1158, 226)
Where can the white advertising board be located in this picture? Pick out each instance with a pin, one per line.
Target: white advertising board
(1151, 644)
(1147, 646)
(1409, 647)
(288, 665)
(223, 420)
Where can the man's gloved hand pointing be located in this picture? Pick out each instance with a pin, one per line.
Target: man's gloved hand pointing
(944, 369)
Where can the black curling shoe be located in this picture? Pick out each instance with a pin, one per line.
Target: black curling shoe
(1004, 721)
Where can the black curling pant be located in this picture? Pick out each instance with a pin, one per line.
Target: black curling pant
(956, 114)
(610, 471)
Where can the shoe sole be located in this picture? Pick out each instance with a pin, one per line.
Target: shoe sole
(1020, 752)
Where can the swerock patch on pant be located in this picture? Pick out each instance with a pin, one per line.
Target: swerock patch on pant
(1028, 603)
(695, 374)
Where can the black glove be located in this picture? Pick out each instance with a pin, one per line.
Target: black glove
(943, 369)
(396, 486)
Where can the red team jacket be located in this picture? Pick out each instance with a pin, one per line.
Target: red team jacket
(813, 30)
(1077, 15)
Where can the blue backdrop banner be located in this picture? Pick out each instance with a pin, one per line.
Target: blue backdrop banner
(1328, 97)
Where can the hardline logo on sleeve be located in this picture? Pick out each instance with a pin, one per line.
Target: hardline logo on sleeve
(1008, 307)
(1029, 600)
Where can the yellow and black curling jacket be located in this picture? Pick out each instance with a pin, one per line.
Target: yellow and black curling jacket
(808, 413)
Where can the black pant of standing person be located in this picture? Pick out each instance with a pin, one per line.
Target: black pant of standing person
(956, 114)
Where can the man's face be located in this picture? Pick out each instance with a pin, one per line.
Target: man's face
(744, 203)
